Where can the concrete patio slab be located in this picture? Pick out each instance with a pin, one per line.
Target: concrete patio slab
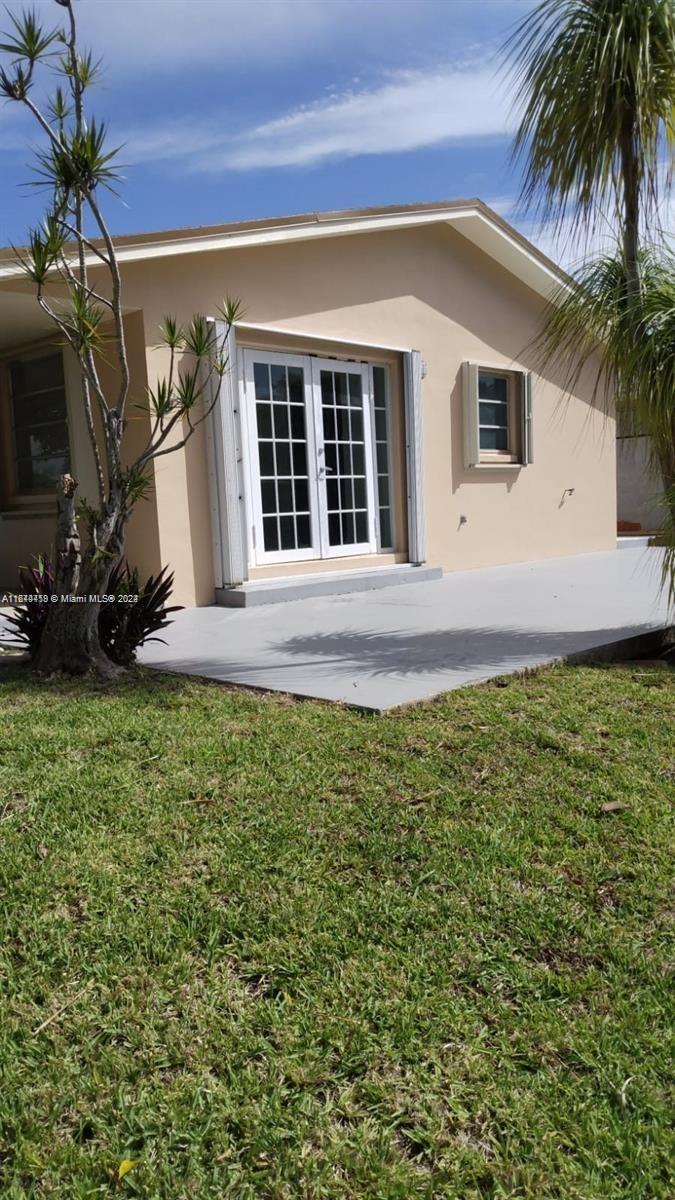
(381, 649)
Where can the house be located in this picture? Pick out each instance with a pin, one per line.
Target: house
(383, 412)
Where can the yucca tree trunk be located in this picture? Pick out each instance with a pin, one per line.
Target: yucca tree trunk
(70, 642)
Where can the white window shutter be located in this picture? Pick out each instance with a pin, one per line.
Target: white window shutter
(225, 485)
(412, 385)
(526, 412)
(470, 414)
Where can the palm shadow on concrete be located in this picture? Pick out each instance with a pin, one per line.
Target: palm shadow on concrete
(471, 651)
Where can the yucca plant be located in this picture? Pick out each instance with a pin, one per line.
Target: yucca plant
(62, 258)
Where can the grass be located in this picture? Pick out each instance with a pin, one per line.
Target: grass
(265, 948)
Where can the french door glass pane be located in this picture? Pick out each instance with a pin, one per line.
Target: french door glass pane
(382, 455)
(282, 456)
(344, 457)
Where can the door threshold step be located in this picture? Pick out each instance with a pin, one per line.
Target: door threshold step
(324, 583)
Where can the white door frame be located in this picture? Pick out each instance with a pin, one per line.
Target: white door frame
(311, 367)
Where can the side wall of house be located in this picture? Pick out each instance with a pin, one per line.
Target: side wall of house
(428, 289)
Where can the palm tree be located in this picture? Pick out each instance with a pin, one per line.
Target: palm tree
(595, 86)
(595, 83)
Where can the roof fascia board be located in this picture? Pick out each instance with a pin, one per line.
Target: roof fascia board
(470, 221)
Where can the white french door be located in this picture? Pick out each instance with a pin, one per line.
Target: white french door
(312, 477)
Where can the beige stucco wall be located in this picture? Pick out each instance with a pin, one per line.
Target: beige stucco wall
(428, 289)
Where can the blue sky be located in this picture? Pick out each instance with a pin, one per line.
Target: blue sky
(232, 109)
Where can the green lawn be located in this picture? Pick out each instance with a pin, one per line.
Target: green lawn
(266, 948)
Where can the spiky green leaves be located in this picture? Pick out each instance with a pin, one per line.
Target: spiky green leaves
(45, 246)
(196, 356)
(30, 40)
(76, 162)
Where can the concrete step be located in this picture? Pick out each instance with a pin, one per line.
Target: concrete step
(633, 541)
(324, 583)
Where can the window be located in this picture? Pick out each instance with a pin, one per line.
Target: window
(382, 444)
(495, 412)
(497, 417)
(39, 423)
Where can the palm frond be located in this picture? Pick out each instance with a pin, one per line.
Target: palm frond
(591, 76)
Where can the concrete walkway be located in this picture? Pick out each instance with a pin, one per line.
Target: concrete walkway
(384, 648)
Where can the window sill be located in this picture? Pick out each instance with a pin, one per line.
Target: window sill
(27, 512)
(497, 466)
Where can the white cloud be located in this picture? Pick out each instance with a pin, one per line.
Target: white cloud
(409, 111)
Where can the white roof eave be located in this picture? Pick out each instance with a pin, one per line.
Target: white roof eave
(471, 222)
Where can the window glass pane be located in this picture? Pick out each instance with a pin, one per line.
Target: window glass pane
(329, 423)
(340, 388)
(297, 422)
(493, 414)
(361, 520)
(360, 493)
(278, 383)
(342, 424)
(492, 387)
(264, 414)
(355, 391)
(326, 387)
(332, 497)
(283, 450)
(270, 533)
(383, 489)
(385, 527)
(345, 458)
(37, 374)
(285, 492)
(334, 531)
(281, 421)
(301, 496)
(296, 391)
(269, 496)
(494, 439)
(304, 532)
(357, 424)
(347, 528)
(299, 458)
(261, 379)
(380, 425)
(287, 533)
(266, 455)
(380, 396)
(346, 493)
